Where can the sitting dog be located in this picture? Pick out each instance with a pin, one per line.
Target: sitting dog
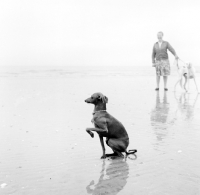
(188, 72)
(107, 126)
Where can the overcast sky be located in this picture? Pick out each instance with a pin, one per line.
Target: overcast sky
(96, 32)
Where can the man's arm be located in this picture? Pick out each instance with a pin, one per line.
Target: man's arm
(171, 49)
(153, 54)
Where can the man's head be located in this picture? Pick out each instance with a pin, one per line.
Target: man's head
(97, 98)
(160, 36)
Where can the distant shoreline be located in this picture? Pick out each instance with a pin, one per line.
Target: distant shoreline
(81, 71)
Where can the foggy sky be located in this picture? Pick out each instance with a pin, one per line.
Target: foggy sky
(95, 32)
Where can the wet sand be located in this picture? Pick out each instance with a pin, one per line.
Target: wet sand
(44, 148)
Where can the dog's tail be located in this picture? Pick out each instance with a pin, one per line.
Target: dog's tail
(131, 152)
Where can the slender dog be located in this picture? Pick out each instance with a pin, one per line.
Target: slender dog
(188, 72)
(107, 126)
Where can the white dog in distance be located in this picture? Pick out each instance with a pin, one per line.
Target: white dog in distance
(188, 72)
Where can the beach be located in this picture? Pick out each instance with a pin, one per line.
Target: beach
(45, 149)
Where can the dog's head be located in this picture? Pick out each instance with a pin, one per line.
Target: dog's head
(97, 98)
(189, 65)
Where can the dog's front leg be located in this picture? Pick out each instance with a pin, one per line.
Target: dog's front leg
(186, 79)
(100, 127)
(98, 130)
(103, 147)
(188, 84)
(88, 130)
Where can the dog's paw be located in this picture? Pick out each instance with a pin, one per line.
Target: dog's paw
(91, 134)
(103, 157)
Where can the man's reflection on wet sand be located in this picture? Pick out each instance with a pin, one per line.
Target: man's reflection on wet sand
(159, 116)
(113, 178)
(160, 112)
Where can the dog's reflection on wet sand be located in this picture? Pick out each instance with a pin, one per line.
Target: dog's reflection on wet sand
(113, 178)
(186, 104)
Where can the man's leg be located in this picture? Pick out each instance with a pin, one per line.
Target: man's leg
(165, 81)
(157, 81)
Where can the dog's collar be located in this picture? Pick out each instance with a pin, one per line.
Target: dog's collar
(98, 111)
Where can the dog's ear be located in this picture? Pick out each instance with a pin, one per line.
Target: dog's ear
(103, 98)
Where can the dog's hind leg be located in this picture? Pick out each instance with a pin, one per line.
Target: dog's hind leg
(177, 84)
(115, 154)
(112, 154)
(118, 146)
(196, 84)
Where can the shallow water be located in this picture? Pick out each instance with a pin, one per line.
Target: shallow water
(45, 150)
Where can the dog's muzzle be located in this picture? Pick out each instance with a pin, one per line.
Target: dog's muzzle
(87, 101)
